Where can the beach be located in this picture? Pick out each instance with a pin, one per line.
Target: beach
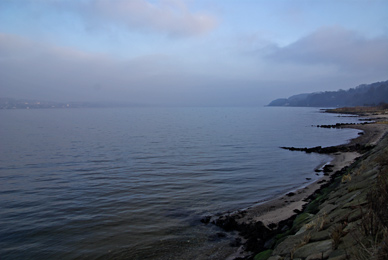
(274, 216)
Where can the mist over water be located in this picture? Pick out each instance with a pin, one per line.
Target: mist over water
(134, 182)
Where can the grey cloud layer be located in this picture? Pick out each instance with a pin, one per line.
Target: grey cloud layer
(171, 17)
(40, 71)
(337, 46)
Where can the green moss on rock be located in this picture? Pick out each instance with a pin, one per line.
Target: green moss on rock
(299, 221)
(263, 255)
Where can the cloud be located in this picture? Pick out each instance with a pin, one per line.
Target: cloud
(336, 46)
(37, 70)
(171, 17)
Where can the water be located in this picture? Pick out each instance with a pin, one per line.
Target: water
(133, 183)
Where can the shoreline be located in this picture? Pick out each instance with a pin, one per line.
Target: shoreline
(274, 215)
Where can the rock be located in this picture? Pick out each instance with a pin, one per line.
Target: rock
(327, 208)
(206, 219)
(286, 246)
(270, 243)
(227, 223)
(320, 256)
(285, 228)
(236, 242)
(338, 216)
(302, 230)
(263, 255)
(355, 215)
(328, 168)
(337, 255)
(348, 241)
(272, 226)
(319, 236)
(275, 257)
(221, 234)
(313, 248)
(340, 257)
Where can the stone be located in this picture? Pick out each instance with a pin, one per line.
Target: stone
(340, 257)
(312, 248)
(328, 208)
(348, 241)
(338, 215)
(339, 254)
(286, 246)
(355, 215)
(270, 243)
(319, 236)
(319, 256)
(275, 257)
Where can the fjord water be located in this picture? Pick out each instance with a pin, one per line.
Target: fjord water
(133, 183)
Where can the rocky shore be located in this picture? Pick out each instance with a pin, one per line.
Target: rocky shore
(334, 218)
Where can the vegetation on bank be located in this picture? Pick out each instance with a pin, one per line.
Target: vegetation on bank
(381, 109)
(363, 95)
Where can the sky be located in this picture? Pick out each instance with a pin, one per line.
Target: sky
(189, 52)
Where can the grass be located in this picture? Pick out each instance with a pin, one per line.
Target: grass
(346, 177)
(373, 229)
(336, 234)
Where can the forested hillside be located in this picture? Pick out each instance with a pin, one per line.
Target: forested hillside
(363, 95)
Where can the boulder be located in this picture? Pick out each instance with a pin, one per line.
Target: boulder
(313, 248)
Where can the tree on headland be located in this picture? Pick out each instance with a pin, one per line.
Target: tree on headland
(363, 95)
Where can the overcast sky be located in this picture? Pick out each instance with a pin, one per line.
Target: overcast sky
(189, 52)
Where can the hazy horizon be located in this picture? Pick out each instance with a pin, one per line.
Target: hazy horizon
(190, 53)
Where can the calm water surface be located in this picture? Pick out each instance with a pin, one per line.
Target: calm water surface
(133, 183)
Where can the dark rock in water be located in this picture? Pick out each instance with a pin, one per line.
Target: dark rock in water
(308, 179)
(227, 223)
(221, 234)
(290, 194)
(216, 237)
(272, 225)
(212, 238)
(254, 244)
(206, 219)
(243, 258)
(236, 242)
(332, 149)
(328, 168)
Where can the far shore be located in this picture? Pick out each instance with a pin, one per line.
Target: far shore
(273, 212)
